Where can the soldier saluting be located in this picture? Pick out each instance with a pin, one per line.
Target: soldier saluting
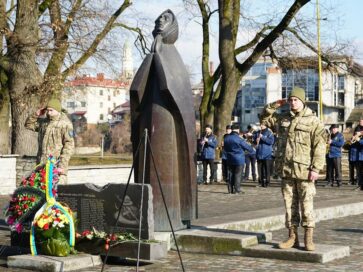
(55, 135)
(300, 156)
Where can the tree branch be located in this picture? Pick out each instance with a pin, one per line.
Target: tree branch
(140, 36)
(93, 47)
(44, 6)
(253, 42)
(205, 45)
(272, 36)
(4, 25)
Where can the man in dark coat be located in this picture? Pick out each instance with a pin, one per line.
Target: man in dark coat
(209, 144)
(264, 141)
(235, 148)
(161, 102)
(334, 157)
(358, 138)
(224, 155)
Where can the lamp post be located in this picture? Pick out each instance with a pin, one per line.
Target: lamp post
(319, 64)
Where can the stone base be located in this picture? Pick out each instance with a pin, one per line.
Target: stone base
(322, 253)
(53, 264)
(217, 241)
(148, 251)
(20, 239)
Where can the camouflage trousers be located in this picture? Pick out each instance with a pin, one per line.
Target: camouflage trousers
(298, 194)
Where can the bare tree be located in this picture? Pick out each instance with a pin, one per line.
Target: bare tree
(218, 101)
(276, 35)
(46, 42)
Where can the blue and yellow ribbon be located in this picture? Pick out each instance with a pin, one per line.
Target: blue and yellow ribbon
(51, 202)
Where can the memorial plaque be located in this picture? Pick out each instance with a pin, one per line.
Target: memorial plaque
(98, 207)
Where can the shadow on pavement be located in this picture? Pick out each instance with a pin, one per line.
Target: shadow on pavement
(350, 230)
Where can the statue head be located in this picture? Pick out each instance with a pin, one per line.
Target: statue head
(166, 25)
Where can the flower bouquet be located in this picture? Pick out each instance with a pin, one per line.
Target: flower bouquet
(96, 242)
(28, 198)
(52, 223)
(51, 229)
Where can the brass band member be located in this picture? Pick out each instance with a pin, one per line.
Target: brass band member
(334, 157)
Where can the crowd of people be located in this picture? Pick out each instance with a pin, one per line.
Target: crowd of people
(258, 163)
(292, 145)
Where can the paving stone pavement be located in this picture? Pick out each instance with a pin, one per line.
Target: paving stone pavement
(213, 201)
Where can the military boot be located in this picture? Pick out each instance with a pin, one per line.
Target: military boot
(308, 239)
(292, 241)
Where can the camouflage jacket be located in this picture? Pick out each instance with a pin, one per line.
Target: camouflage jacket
(55, 137)
(300, 141)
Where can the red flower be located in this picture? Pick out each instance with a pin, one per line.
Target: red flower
(20, 213)
(31, 183)
(42, 187)
(32, 199)
(25, 206)
(46, 226)
(86, 232)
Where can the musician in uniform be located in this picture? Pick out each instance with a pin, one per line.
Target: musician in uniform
(334, 157)
(358, 137)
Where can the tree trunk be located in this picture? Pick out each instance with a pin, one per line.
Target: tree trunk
(224, 105)
(25, 77)
(4, 121)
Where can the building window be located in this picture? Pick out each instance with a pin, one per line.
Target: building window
(340, 82)
(109, 110)
(109, 98)
(114, 105)
(70, 104)
(340, 99)
(304, 78)
(341, 115)
(101, 104)
(83, 104)
(101, 92)
(101, 117)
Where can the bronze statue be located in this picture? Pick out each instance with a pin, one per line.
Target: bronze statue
(161, 101)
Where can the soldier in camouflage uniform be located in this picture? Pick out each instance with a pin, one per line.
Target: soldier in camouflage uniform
(299, 158)
(55, 136)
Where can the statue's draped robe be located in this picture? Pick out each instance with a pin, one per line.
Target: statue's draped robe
(162, 102)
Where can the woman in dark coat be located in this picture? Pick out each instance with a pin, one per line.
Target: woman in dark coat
(162, 102)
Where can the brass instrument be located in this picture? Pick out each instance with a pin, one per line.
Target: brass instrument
(249, 134)
(357, 137)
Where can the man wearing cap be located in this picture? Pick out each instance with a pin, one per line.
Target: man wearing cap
(264, 141)
(208, 145)
(334, 156)
(224, 155)
(55, 135)
(358, 134)
(235, 146)
(300, 156)
(250, 157)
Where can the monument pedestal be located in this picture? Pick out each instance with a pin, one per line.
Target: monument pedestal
(128, 249)
(54, 264)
